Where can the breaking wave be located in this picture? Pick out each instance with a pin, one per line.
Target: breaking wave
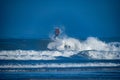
(93, 54)
(60, 65)
(91, 43)
(33, 55)
(64, 46)
(91, 48)
(53, 55)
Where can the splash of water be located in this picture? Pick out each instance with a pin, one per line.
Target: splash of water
(65, 46)
(93, 47)
(91, 43)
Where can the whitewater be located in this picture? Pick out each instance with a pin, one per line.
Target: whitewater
(92, 48)
(61, 58)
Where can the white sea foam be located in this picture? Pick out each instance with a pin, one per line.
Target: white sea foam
(69, 47)
(66, 47)
(74, 44)
(97, 48)
(102, 54)
(33, 55)
(59, 65)
(52, 55)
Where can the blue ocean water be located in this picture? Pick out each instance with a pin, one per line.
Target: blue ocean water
(65, 58)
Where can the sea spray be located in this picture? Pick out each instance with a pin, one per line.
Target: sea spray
(91, 43)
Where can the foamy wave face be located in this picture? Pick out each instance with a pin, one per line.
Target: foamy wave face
(90, 44)
(33, 55)
(60, 65)
(67, 47)
(53, 55)
(65, 44)
(93, 54)
(92, 47)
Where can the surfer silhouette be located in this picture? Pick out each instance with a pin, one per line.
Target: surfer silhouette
(57, 32)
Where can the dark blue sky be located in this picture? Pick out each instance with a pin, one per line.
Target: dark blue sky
(81, 18)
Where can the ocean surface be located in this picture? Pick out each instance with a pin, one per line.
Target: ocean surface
(60, 59)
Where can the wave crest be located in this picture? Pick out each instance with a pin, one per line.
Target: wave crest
(90, 43)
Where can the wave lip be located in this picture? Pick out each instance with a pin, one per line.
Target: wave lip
(90, 43)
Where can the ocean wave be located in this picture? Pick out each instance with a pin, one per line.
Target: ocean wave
(53, 55)
(92, 47)
(60, 65)
(91, 43)
(94, 54)
(33, 55)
